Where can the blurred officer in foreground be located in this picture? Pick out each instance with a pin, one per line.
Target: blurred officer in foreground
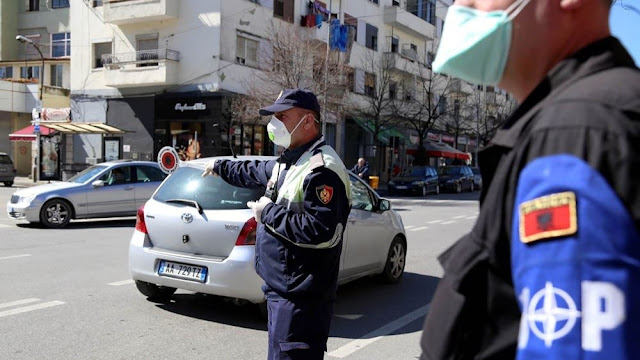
(551, 269)
(301, 220)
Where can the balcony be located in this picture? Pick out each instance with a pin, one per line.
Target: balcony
(403, 63)
(121, 12)
(141, 68)
(405, 21)
(458, 87)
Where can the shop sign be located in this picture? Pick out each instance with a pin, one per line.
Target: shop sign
(184, 107)
(56, 114)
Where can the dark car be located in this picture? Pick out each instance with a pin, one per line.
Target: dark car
(456, 178)
(420, 180)
(477, 178)
(7, 170)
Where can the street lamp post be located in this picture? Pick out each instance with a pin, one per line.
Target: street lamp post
(26, 40)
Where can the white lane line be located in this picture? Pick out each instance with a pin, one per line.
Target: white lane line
(5, 226)
(459, 217)
(379, 333)
(14, 256)
(448, 222)
(471, 217)
(30, 308)
(18, 302)
(409, 227)
(435, 221)
(419, 228)
(124, 282)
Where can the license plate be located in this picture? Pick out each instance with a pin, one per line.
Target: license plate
(182, 271)
(401, 187)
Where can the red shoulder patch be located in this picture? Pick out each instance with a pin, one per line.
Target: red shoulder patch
(548, 216)
(325, 193)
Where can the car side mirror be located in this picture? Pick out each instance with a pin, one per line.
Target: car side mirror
(384, 205)
(97, 183)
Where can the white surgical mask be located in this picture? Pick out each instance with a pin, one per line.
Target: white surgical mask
(278, 132)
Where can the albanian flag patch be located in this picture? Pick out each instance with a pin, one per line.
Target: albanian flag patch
(548, 216)
(325, 193)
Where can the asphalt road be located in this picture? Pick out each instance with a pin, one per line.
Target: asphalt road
(66, 294)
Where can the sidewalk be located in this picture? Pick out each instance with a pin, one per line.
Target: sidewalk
(24, 181)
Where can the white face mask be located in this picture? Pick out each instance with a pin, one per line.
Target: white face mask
(278, 132)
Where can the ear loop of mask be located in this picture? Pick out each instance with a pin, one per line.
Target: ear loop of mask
(514, 9)
(299, 122)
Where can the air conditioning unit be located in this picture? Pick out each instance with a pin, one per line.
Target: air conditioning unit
(91, 160)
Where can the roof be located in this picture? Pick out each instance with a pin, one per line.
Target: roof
(48, 129)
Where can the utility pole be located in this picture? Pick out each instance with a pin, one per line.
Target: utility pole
(326, 71)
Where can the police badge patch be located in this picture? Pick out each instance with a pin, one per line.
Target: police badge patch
(325, 193)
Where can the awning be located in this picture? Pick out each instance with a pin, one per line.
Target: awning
(384, 135)
(27, 134)
(439, 149)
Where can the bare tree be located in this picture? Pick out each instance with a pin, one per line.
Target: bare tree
(491, 110)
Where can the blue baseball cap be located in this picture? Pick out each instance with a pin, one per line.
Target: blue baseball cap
(290, 98)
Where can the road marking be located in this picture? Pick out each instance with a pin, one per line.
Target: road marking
(459, 217)
(419, 228)
(435, 221)
(30, 308)
(409, 227)
(18, 302)
(379, 333)
(349, 317)
(471, 217)
(448, 222)
(14, 256)
(124, 282)
(5, 226)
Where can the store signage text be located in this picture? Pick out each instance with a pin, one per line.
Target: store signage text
(197, 106)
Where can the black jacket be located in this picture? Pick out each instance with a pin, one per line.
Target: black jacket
(587, 107)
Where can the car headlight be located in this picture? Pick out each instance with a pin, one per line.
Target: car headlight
(418, 183)
(27, 199)
(451, 181)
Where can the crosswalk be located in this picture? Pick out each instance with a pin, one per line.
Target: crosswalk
(26, 305)
(437, 222)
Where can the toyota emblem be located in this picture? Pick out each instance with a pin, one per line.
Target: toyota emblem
(187, 218)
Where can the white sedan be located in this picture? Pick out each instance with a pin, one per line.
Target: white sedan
(197, 234)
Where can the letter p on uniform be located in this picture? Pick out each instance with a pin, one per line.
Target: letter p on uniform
(603, 308)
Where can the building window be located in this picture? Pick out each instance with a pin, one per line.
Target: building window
(352, 22)
(56, 75)
(97, 3)
(56, 4)
(147, 50)
(246, 51)
(372, 37)
(394, 44)
(6, 72)
(283, 9)
(30, 72)
(100, 49)
(34, 5)
(370, 84)
(60, 44)
(424, 9)
(430, 57)
(442, 105)
(393, 90)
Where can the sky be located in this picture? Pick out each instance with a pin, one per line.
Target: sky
(625, 25)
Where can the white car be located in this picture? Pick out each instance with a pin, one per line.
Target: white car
(197, 234)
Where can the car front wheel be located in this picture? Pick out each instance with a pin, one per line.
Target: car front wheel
(8, 183)
(55, 213)
(394, 268)
(424, 190)
(459, 187)
(153, 291)
(437, 189)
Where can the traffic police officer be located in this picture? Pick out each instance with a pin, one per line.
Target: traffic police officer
(551, 269)
(301, 220)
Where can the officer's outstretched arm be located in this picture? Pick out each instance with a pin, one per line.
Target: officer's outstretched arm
(575, 264)
(248, 174)
(318, 220)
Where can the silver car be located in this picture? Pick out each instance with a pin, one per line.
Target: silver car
(197, 234)
(110, 189)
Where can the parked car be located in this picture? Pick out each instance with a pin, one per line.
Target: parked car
(197, 234)
(455, 178)
(7, 170)
(109, 189)
(477, 178)
(420, 180)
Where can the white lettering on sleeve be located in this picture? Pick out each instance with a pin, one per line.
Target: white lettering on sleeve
(603, 308)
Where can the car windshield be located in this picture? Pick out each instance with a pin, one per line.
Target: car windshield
(414, 172)
(211, 193)
(450, 171)
(87, 174)
(5, 159)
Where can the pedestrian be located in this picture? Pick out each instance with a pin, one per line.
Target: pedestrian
(301, 220)
(361, 168)
(551, 269)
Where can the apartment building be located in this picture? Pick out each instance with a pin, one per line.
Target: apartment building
(46, 25)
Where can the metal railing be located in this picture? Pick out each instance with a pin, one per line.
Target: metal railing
(140, 57)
